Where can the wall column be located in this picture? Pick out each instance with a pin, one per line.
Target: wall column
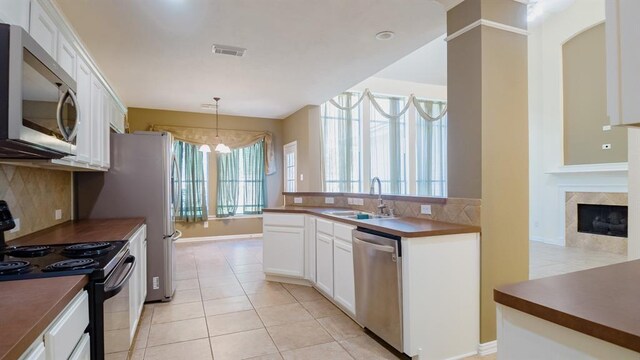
(488, 136)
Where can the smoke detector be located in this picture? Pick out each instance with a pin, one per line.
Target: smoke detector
(228, 50)
(385, 35)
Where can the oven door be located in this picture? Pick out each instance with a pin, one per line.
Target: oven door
(116, 329)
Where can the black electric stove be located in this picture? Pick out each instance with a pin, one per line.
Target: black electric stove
(96, 259)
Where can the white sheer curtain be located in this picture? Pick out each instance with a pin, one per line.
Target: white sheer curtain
(389, 144)
(341, 144)
(431, 150)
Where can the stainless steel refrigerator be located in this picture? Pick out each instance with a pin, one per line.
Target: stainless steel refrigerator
(141, 183)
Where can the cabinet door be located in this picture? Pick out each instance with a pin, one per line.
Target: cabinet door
(97, 114)
(83, 137)
(324, 263)
(106, 125)
(37, 353)
(344, 286)
(43, 29)
(283, 251)
(67, 57)
(15, 12)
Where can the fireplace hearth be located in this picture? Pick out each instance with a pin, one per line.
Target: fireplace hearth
(610, 220)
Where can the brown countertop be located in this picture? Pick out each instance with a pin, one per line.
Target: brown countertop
(409, 227)
(601, 302)
(76, 231)
(29, 306)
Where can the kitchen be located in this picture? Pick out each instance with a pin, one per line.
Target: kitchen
(163, 201)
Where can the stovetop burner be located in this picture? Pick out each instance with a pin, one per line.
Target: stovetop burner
(14, 267)
(87, 249)
(73, 264)
(30, 251)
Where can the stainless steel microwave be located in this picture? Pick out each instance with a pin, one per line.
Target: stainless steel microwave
(39, 113)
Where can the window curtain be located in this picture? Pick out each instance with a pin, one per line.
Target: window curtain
(340, 144)
(388, 142)
(431, 143)
(241, 181)
(192, 183)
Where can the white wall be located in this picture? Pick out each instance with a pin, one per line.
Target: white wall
(546, 123)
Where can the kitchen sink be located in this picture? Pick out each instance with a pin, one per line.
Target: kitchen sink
(357, 215)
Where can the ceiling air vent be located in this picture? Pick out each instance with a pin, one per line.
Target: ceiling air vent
(228, 50)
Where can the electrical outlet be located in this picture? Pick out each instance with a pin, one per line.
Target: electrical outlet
(156, 283)
(58, 214)
(606, 128)
(425, 209)
(206, 224)
(358, 202)
(606, 146)
(329, 200)
(350, 201)
(301, 177)
(17, 228)
(297, 200)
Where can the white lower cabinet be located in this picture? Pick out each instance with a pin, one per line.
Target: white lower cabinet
(324, 263)
(283, 250)
(137, 282)
(65, 338)
(344, 292)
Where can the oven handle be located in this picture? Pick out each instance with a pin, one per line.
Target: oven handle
(111, 291)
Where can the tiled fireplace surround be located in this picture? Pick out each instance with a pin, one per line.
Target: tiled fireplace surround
(453, 210)
(573, 238)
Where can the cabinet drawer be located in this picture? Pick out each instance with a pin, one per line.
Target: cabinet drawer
(37, 353)
(82, 350)
(68, 328)
(343, 232)
(283, 220)
(324, 226)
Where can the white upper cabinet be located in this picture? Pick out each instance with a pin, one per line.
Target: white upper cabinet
(623, 57)
(15, 12)
(43, 29)
(67, 57)
(97, 121)
(83, 139)
(107, 110)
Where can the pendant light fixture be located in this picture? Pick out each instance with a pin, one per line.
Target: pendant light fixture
(221, 148)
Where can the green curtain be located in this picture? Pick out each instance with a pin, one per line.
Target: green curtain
(241, 181)
(193, 197)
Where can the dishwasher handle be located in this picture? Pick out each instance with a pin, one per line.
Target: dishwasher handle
(385, 248)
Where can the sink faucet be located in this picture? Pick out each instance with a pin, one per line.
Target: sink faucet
(381, 205)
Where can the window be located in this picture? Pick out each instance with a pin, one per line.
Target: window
(241, 181)
(290, 166)
(431, 150)
(407, 152)
(389, 145)
(341, 144)
(191, 184)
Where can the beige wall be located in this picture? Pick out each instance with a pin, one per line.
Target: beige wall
(585, 102)
(303, 126)
(33, 196)
(141, 119)
(488, 139)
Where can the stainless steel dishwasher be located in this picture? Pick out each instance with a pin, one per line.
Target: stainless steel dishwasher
(378, 283)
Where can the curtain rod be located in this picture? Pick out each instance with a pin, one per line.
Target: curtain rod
(199, 127)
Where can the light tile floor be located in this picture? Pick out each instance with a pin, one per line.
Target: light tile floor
(549, 260)
(224, 309)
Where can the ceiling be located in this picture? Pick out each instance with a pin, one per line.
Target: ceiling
(427, 65)
(157, 53)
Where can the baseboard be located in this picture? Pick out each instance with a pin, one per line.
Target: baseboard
(546, 240)
(287, 280)
(487, 348)
(219, 238)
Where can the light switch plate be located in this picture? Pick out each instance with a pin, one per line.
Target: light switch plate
(350, 201)
(58, 214)
(425, 209)
(206, 224)
(329, 200)
(357, 201)
(606, 146)
(297, 200)
(301, 177)
(17, 228)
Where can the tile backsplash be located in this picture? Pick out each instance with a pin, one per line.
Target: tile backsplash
(454, 210)
(33, 196)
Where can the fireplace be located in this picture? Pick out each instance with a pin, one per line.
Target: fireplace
(598, 219)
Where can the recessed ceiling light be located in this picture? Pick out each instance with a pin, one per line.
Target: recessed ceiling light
(385, 35)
